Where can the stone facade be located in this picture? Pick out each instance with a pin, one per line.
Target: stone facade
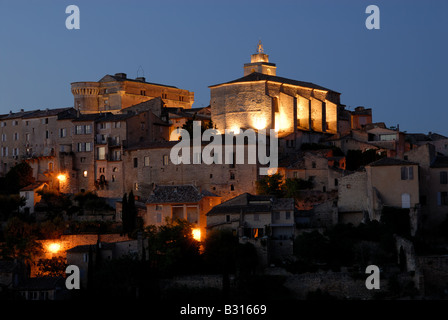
(117, 92)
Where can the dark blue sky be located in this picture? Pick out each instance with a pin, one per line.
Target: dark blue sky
(400, 71)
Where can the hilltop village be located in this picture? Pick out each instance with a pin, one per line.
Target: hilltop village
(94, 186)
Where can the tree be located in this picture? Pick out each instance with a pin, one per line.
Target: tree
(173, 249)
(54, 203)
(20, 241)
(132, 212)
(18, 177)
(10, 204)
(270, 185)
(292, 187)
(189, 125)
(220, 251)
(124, 213)
(54, 267)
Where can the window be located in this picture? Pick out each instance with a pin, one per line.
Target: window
(62, 132)
(388, 137)
(336, 182)
(165, 160)
(407, 173)
(50, 166)
(313, 164)
(3, 124)
(117, 155)
(158, 217)
(47, 134)
(142, 125)
(115, 169)
(3, 136)
(27, 136)
(88, 129)
(228, 218)
(135, 162)
(159, 207)
(405, 200)
(113, 178)
(442, 198)
(88, 146)
(136, 186)
(232, 187)
(101, 153)
(443, 177)
(85, 257)
(78, 130)
(288, 215)
(80, 149)
(83, 159)
(146, 161)
(4, 151)
(232, 176)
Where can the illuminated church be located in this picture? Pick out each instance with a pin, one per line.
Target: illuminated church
(297, 110)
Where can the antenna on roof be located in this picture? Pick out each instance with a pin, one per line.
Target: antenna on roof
(143, 71)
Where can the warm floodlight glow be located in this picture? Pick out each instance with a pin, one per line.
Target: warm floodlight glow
(54, 247)
(196, 234)
(62, 177)
(260, 123)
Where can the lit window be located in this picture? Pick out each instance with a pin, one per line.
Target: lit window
(146, 162)
(85, 173)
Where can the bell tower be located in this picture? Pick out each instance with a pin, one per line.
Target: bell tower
(259, 62)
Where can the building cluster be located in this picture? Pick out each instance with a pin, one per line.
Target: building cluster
(118, 136)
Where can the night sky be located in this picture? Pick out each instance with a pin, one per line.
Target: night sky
(400, 70)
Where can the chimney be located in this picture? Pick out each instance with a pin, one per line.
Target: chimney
(120, 75)
(141, 79)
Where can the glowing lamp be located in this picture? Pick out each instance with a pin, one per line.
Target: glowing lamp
(260, 123)
(62, 177)
(196, 234)
(54, 247)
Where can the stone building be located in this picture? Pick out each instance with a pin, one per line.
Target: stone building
(263, 100)
(433, 184)
(148, 165)
(113, 93)
(386, 182)
(265, 221)
(185, 202)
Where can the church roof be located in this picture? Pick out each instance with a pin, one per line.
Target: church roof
(255, 76)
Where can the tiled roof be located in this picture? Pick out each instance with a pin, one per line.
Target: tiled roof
(391, 162)
(255, 76)
(249, 203)
(440, 162)
(177, 194)
(117, 78)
